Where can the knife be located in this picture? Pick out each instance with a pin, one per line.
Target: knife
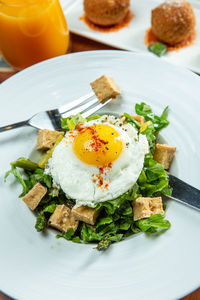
(183, 192)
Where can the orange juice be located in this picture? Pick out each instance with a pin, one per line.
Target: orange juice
(31, 31)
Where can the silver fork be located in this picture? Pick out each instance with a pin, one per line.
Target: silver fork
(50, 119)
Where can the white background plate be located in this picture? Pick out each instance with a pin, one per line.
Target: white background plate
(132, 37)
(37, 266)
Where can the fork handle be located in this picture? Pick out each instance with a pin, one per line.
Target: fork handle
(13, 126)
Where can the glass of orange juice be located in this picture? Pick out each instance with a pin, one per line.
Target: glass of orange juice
(32, 31)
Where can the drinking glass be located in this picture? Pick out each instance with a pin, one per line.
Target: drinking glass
(32, 31)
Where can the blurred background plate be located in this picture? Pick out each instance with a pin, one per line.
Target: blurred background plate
(132, 37)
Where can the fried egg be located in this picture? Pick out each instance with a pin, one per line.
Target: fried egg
(98, 161)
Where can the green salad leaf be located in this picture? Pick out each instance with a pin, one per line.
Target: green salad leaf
(32, 175)
(88, 234)
(71, 122)
(43, 216)
(94, 117)
(66, 235)
(154, 222)
(20, 179)
(159, 123)
(149, 131)
(130, 120)
(111, 206)
(40, 176)
(158, 49)
(49, 208)
(41, 222)
(153, 180)
(25, 164)
(104, 221)
(108, 240)
(153, 124)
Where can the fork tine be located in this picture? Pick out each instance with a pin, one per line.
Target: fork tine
(95, 108)
(81, 108)
(75, 103)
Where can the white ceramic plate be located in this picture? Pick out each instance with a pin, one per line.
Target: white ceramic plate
(37, 266)
(132, 37)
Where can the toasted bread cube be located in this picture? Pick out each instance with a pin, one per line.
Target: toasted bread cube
(139, 119)
(146, 207)
(63, 219)
(86, 214)
(156, 206)
(105, 88)
(46, 138)
(35, 195)
(164, 154)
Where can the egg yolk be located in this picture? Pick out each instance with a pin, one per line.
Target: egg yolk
(97, 145)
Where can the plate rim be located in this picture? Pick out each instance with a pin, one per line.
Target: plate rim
(97, 52)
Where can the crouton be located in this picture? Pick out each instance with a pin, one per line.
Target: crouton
(63, 219)
(46, 138)
(146, 207)
(139, 119)
(105, 88)
(164, 154)
(86, 214)
(35, 195)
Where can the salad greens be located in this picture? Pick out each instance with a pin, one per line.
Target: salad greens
(115, 221)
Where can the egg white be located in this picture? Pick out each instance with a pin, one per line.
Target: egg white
(76, 178)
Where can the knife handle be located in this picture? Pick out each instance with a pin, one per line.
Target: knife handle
(184, 192)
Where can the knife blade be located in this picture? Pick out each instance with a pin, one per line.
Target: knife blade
(183, 192)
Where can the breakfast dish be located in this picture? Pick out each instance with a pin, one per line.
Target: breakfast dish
(133, 36)
(106, 12)
(143, 265)
(100, 179)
